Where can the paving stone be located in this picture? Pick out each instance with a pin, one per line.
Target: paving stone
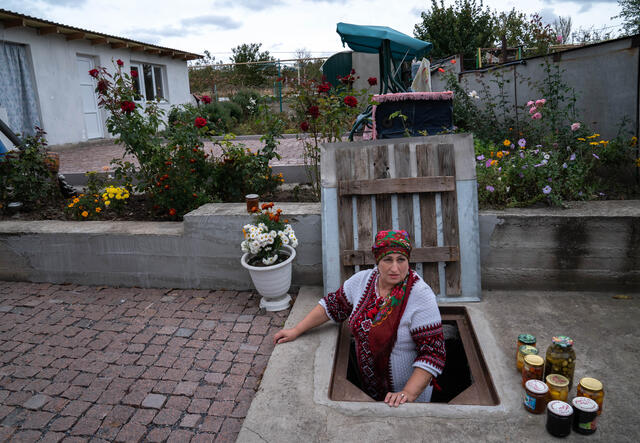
(158, 434)
(131, 432)
(185, 388)
(52, 437)
(167, 417)
(190, 420)
(184, 332)
(76, 408)
(179, 402)
(86, 426)
(203, 438)
(179, 436)
(211, 424)
(37, 401)
(154, 401)
(62, 424)
(37, 420)
(26, 436)
(143, 416)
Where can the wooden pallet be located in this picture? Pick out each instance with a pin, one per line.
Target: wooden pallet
(423, 185)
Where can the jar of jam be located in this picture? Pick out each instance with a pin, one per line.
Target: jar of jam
(524, 350)
(558, 387)
(591, 388)
(525, 339)
(536, 396)
(561, 358)
(532, 368)
(252, 202)
(559, 417)
(585, 415)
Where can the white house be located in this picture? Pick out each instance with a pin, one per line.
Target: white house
(44, 77)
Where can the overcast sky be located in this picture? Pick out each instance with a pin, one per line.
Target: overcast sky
(282, 26)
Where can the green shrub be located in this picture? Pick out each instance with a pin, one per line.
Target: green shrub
(248, 100)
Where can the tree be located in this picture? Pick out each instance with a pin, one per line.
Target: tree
(458, 29)
(251, 74)
(631, 14)
(562, 28)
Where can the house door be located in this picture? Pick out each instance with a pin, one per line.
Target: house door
(90, 112)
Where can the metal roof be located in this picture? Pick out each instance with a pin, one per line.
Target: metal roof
(11, 19)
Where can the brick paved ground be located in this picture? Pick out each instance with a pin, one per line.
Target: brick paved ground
(81, 363)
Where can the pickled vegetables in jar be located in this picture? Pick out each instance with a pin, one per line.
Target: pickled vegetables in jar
(558, 387)
(561, 358)
(532, 368)
(591, 388)
(525, 339)
(522, 352)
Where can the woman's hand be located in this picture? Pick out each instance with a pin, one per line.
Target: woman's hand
(395, 399)
(285, 335)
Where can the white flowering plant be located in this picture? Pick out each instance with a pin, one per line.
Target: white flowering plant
(264, 238)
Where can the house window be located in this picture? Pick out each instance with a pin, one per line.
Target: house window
(149, 84)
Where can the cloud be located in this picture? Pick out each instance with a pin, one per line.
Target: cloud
(255, 5)
(548, 15)
(34, 7)
(217, 21)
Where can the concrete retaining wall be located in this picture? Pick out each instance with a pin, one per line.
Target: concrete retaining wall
(591, 246)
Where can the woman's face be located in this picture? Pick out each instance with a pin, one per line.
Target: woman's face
(393, 269)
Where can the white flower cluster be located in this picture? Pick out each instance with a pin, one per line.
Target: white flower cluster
(257, 238)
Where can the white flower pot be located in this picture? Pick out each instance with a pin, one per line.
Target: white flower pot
(272, 282)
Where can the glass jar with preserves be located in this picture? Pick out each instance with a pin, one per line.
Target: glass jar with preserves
(522, 352)
(536, 396)
(585, 415)
(591, 388)
(532, 368)
(525, 339)
(561, 358)
(558, 387)
(559, 418)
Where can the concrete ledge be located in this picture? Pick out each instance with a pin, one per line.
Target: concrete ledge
(292, 402)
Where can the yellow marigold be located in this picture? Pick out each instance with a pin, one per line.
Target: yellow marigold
(70, 205)
(604, 142)
(596, 135)
(634, 140)
(126, 195)
(506, 142)
(111, 195)
(98, 209)
(581, 139)
(491, 154)
(638, 162)
(592, 136)
(76, 200)
(85, 214)
(499, 154)
(107, 202)
(594, 143)
(118, 197)
(494, 162)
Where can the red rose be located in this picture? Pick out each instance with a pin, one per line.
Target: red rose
(453, 61)
(440, 70)
(134, 73)
(120, 62)
(353, 71)
(372, 81)
(200, 122)
(324, 87)
(172, 212)
(313, 111)
(351, 101)
(304, 126)
(94, 73)
(127, 106)
(205, 99)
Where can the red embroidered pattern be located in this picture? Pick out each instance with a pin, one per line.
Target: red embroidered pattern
(338, 306)
(429, 342)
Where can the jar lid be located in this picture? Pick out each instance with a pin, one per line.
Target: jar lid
(536, 386)
(528, 350)
(251, 196)
(591, 384)
(527, 339)
(560, 408)
(533, 360)
(557, 380)
(585, 404)
(563, 341)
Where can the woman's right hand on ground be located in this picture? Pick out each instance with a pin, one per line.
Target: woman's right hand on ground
(285, 335)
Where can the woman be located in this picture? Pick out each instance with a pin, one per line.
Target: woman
(394, 318)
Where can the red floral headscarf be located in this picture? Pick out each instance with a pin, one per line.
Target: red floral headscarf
(391, 242)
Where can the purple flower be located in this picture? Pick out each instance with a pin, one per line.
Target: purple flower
(521, 154)
(546, 189)
(549, 179)
(490, 188)
(488, 164)
(596, 156)
(538, 165)
(480, 157)
(564, 166)
(535, 151)
(521, 175)
(522, 143)
(601, 194)
(580, 193)
(500, 169)
(524, 166)
(572, 158)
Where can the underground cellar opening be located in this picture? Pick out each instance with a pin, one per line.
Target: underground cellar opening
(465, 380)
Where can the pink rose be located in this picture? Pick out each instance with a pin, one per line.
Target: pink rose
(530, 103)
(575, 126)
(532, 110)
(536, 116)
(540, 102)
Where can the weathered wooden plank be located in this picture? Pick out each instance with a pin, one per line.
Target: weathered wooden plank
(362, 170)
(431, 254)
(383, 202)
(344, 167)
(427, 159)
(450, 218)
(397, 185)
(405, 201)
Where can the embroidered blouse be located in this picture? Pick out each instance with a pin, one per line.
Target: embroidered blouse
(419, 339)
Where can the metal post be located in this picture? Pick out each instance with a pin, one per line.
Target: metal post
(279, 86)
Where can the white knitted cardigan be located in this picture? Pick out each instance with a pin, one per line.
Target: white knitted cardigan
(421, 312)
